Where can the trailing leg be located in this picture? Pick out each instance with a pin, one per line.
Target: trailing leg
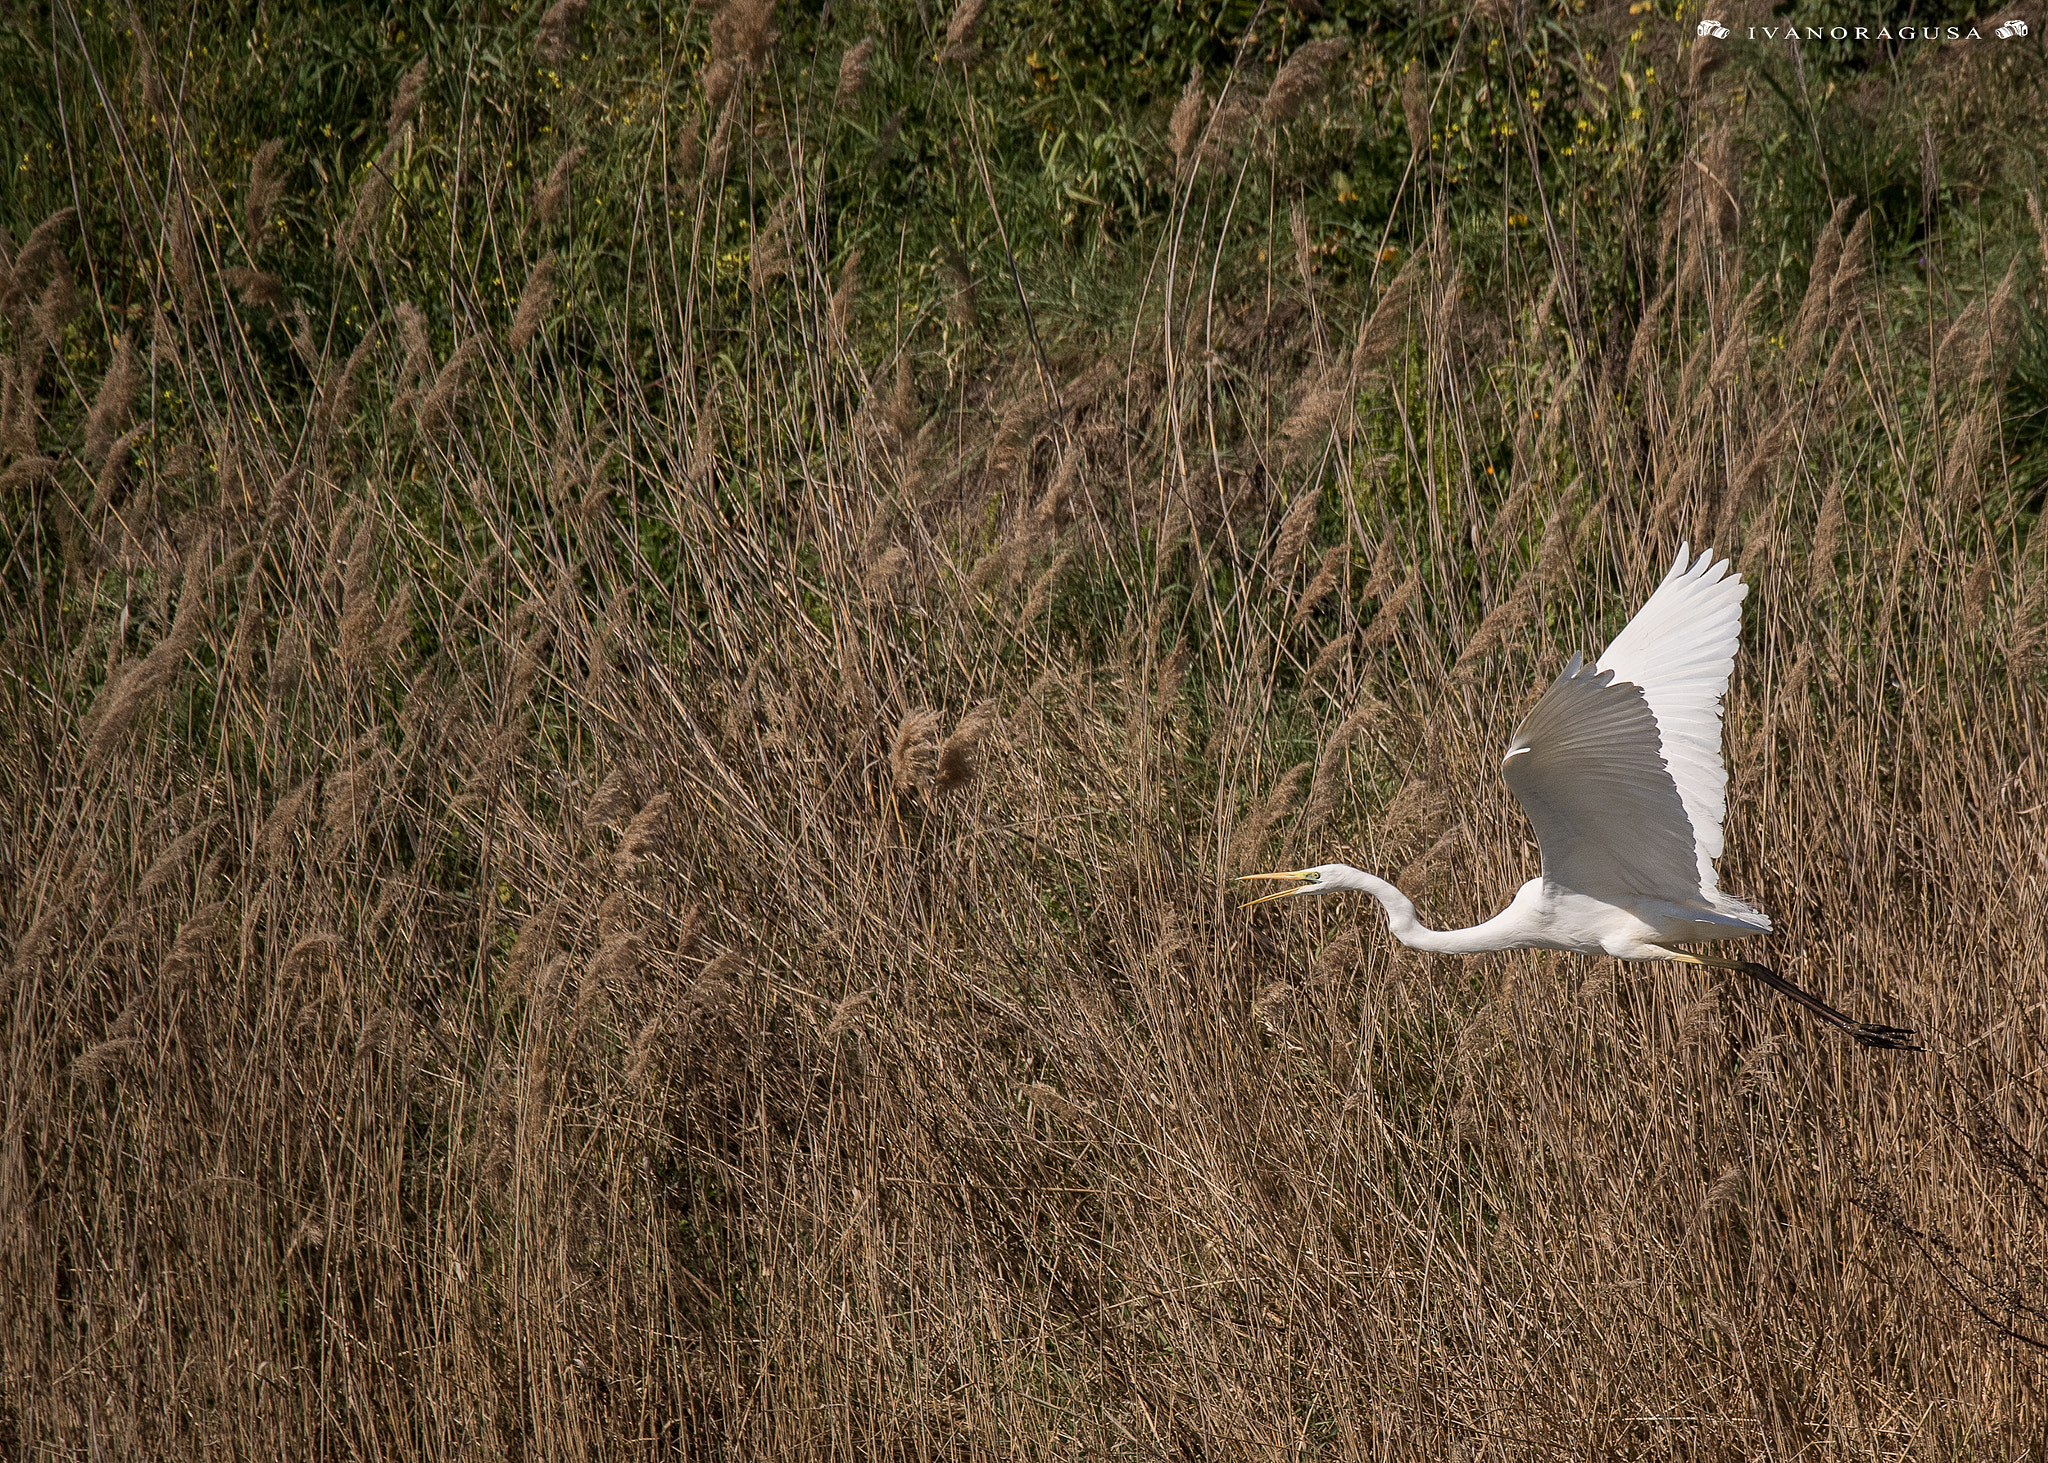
(1893, 1038)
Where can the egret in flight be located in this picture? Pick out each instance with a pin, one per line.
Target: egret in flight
(1619, 767)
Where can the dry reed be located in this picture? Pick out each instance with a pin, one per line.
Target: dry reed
(490, 964)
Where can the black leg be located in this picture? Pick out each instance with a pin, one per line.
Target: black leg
(1894, 1038)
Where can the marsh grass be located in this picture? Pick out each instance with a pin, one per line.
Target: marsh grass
(636, 862)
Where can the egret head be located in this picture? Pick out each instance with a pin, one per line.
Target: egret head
(1312, 881)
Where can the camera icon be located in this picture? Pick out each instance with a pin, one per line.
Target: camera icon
(2011, 29)
(1719, 32)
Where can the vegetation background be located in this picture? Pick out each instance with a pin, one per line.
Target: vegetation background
(639, 643)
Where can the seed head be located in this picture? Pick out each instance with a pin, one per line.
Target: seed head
(552, 201)
(552, 46)
(411, 87)
(956, 756)
(1188, 114)
(914, 753)
(533, 304)
(111, 407)
(266, 187)
(256, 287)
(854, 68)
(1301, 80)
(741, 32)
(966, 20)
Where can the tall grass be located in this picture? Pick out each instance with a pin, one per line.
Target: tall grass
(632, 857)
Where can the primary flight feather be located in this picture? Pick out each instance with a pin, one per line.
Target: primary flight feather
(1619, 768)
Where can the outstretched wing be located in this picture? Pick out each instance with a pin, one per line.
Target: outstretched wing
(1619, 766)
(1588, 769)
(1680, 648)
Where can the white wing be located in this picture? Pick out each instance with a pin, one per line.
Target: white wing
(1680, 648)
(1619, 766)
(1587, 768)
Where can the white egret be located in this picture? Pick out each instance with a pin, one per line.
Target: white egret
(1619, 767)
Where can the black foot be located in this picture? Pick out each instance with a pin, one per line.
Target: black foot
(1891, 1038)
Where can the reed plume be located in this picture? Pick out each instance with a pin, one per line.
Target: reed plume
(854, 69)
(534, 302)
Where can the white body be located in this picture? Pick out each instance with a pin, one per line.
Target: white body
(1619, 768)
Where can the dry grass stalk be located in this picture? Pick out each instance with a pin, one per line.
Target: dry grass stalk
(1960, 482)
(2001, 325)
(1643, 350)
(885, 570)
(1719, 166)
(1321, 408)
(1304, 77)
(1332, 655)
(113, 474)
(1814, 307)
(112, 405)
(1386, 563)
(1386, 625)
(366, 220)
(854, 69)
(961, 308)
(885, 141)
(1326, 788)
(1510, 615)
(57, 307)
(1304, 258)
(1977, 592)
(649, 834)
(1742, 486)
(905, 410)
(135, 686)
(1385, 332)
(31, 268)
(1415, 108)
(1039, 599)
(768, 259)
(360, 616)
(1324, 584)
(1229, 122)
(1849, 271)
(1294, 532)
(1827, 528)
(1732, 359)
(1252, 834)
(437, 406)
(534, 301)
(846, 1015)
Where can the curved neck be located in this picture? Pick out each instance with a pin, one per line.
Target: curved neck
(1502, 932)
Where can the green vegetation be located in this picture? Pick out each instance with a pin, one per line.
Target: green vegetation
(639, 640)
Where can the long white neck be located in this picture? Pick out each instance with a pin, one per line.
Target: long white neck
(1505, 931)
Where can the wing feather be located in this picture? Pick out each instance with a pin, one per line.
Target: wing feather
(1680, 649)
(1588, 769)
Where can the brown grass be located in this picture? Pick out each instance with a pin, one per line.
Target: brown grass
(471, 990)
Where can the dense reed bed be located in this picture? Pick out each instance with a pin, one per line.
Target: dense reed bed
(625, 851)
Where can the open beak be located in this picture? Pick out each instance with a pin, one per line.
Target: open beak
(1303, 874)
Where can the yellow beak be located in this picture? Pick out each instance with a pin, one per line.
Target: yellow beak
(1264, 898)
